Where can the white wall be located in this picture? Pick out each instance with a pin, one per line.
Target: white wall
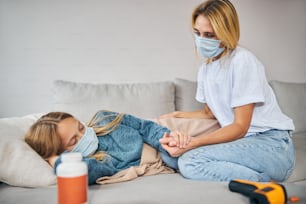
(128, 41)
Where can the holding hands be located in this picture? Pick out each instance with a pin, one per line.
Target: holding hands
(175, 143)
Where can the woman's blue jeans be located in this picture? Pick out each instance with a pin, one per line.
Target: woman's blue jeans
(259, 157)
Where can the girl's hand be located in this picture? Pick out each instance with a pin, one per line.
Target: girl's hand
(175, 143)
(51, 160)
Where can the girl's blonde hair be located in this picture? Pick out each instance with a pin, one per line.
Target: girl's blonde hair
(43, 138)
(223, 19)
(107, 128)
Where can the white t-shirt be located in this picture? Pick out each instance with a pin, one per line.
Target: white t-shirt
(239, 79)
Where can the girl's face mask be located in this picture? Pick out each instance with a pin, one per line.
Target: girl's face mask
(207, 47)
(88, 144)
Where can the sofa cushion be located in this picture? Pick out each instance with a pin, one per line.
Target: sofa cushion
(299, 173)
(159, 189)
(19, 164)
(83, 100)
(185, 92)
(292, 100)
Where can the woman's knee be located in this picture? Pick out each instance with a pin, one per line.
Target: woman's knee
(192, 168)
(185, 166)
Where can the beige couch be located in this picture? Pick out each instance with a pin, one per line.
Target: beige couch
(21, 167)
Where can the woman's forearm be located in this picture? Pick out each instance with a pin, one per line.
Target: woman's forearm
(226, 134)
(222, 135)
(204, 113)
(193, 114)
(234, 131)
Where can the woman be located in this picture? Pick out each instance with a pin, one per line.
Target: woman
(117, 147)
(254, 141)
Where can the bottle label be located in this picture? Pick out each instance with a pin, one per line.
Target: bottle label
(72, 190)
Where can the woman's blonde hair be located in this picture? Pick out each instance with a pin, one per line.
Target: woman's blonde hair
(43, 138)
(223, 19)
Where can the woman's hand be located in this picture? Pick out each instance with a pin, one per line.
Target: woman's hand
(51, 160)
(203, 113)
(169, 115)
(180, 139)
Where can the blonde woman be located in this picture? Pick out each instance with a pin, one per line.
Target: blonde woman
(118, 145)
(254, 141)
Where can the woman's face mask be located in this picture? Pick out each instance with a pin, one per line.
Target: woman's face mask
(88, 144)
(207, 47)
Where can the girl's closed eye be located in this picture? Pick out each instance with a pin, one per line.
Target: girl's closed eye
(81, 127)
(72, 141)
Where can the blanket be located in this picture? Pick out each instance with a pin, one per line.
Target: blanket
(150, 164)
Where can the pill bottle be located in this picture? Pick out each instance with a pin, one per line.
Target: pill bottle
(72, 179)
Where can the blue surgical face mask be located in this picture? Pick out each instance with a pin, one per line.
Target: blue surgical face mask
(207, 47)
(88, 144)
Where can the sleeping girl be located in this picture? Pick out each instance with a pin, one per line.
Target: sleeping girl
(111, 142)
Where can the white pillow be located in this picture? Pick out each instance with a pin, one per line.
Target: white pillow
(83, 100)
(20, 165)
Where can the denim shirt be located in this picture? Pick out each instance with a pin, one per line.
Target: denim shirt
(123, 145)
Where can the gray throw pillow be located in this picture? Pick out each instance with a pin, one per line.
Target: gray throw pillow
(291, 98)
(185, 92)
(83, 100)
